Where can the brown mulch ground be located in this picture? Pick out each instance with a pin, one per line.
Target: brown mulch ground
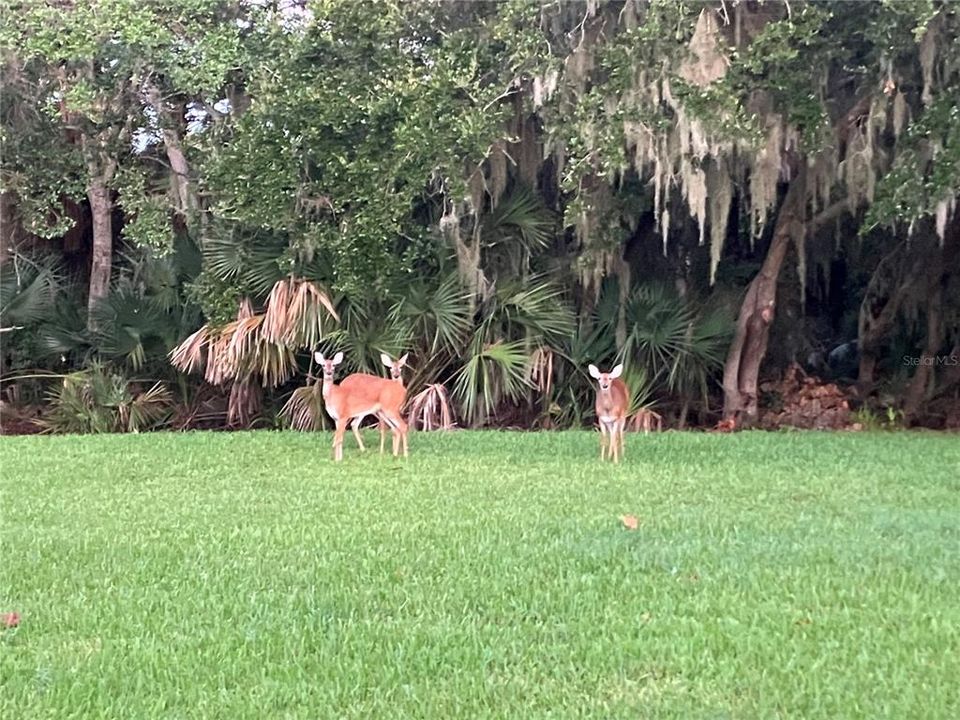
(805, 402)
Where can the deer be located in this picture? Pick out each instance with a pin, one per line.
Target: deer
(393, 395)
(362, 398)
(612, 399)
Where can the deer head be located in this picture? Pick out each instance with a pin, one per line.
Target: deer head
(396, 368)
(327, 364)
(605, 379)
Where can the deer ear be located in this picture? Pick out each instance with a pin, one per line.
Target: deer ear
(403, 360)
(318, 356)
(594, 373)
(338, 358)
(385, 359)
(615, 373)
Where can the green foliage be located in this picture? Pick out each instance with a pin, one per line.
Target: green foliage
(787, 60)
(437, 316)
(868, 419)
(324, 144)
(679, 343)
(493, 374)
(147, 223)
(29, 290)
(926, 171)
(97, 400)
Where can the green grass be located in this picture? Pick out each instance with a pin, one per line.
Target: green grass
(245, 575)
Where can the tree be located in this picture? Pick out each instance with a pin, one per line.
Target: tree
(89, 74)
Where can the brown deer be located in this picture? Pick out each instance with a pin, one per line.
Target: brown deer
(370, 396)
(613, 397)
(393, 396)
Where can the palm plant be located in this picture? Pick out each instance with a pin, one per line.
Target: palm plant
(678, 342)
(518, 228)
(492, 373)
(98, 400)
(304, 409)
(430, 409)
(28, 291)
(258, 348)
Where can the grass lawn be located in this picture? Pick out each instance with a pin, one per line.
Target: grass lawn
(244, 575)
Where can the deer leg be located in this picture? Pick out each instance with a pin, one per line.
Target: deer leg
(603, 440)
(398, 426)
(611, 443)
(338, 439)
(615, 440)
(403, 436)
(383, 433)
(621, 424)
(355, 426)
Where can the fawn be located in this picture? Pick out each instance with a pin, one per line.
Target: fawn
(612, 399)
(392, 395)
(366, 396)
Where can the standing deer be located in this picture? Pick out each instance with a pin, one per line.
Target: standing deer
(362, 398)
(392, 396)
(612, 399)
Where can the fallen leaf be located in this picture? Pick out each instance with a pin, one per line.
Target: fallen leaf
(725, 426)
(10, 620)
(630, 522)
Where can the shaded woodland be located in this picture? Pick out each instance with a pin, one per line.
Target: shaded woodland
(751, 204)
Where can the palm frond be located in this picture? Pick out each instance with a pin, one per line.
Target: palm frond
(188, 356)
(304, 410)
(430, 409)
(491, 375)
(534, 308)
(149, 409)
(519, 217)
(224, 257)
(641, 387)
(440, 314)
(295, 311)
(28, 292)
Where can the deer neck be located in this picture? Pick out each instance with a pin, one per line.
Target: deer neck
(605, 397)
(328, 388)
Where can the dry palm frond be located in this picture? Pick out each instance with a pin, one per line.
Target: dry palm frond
(430, 409)
(645, 420)
(306, 308)
(541, 370)
(244, 340)
(304, 410)
(274, 362)
(294, 314)
(245, 310)
(257, 344)
(276, 325)
(219, 368)
(148, 409)
(245, 401)
(188, 355)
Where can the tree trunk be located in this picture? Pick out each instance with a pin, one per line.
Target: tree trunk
(938, 273)
(919, 384)
(742, 368)
(879, 313)
(8, 226)
(101, 208)
(180, 173)
(184, 198)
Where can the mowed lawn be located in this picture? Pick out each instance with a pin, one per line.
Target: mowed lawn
(244, 575)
